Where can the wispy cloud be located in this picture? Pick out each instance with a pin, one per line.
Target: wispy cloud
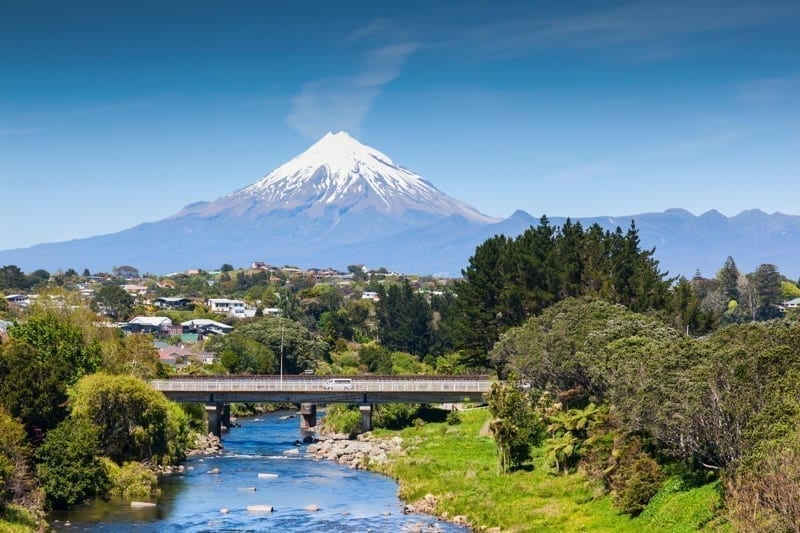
(342, 102)
(650, 30)
(14, 132)
(642, 161)
(769, 90)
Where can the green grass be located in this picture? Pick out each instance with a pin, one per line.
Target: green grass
(15, 519)
(459, 466)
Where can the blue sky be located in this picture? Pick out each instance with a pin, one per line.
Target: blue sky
(116, 113)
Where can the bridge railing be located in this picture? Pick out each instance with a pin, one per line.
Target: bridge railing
(272, 384)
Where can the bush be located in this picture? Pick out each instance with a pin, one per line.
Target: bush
(453, 418)
(69, 470)
(131, 479)
(136, 422)
(342, 419)
(636, 478)
(16, 483)
(764, 494)
(394, 415)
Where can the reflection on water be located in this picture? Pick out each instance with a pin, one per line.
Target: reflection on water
(348, 500)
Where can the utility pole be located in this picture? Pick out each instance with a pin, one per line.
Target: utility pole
(281, 356)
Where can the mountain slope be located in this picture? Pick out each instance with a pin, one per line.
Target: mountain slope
(339, 174)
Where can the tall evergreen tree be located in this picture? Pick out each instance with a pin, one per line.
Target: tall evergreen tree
(569, 257)
(766, 282)
(404, 319)
(478, 301)
(729, 278)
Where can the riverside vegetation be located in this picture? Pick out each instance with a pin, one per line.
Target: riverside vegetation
(627, 394)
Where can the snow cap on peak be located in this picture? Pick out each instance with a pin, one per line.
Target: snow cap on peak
(338, 170)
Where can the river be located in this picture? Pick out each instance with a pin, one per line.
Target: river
(347, 500)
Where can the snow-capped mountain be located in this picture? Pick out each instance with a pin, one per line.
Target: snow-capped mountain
(341, 203)
(339, 172)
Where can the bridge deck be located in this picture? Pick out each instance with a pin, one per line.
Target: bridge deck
(417, 389)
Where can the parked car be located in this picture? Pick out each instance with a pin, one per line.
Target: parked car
(339, 384)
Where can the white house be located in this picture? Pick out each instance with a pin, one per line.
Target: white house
(794, 303)
(148, 324)
(370, 295)
(235, 308)
(205, 326)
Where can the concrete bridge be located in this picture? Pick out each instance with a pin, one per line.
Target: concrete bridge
(308, 391)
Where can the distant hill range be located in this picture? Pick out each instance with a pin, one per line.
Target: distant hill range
(341, 202)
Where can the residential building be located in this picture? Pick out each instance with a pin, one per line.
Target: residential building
(235, 308)
(169, 302)
(205, 326)
(148, 324)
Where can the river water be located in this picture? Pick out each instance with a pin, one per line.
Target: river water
(348, 500)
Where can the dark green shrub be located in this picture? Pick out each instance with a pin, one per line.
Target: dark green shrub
(635, 479)
(342, 419)
(69, 469)
(453, 418)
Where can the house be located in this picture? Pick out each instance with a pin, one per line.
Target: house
(234, 308)
(271, 311)
(182, 356)
(794, 303)
(148, 324)
(168, 302)
(205, 326)
(19, 300)
(135, 289)
(370, 295)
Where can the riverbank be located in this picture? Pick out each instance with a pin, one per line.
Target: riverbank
(450, 471)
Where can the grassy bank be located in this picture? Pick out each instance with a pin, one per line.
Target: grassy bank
(15, 519)
(458, 466)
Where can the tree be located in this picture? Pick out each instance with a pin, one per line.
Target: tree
(687, 309)
(516, 426)
(301, 350)
(33, 388)
(135, 421)
(37, 277)
(767, 286)
(46, 355)
(509, 281)
(404, 319)
(377, 359)
(358, 272)
(17, 485)
(242, 355)
(134, 355)
(11, 277)
(125, 271)
(479, 319)
(226, 267)
(729, 280)
(114, 301)
(68, 465)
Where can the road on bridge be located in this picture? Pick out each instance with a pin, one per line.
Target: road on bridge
(326, 389)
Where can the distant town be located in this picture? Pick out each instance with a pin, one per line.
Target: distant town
(210, 301)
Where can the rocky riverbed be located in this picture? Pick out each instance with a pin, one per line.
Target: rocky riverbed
(355, 453)
(205, 445)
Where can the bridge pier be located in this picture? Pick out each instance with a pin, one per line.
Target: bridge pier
(225, 415)
(366, 417)
(215, 413)
(308, 416)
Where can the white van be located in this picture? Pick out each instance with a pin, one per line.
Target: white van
(339, 384)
